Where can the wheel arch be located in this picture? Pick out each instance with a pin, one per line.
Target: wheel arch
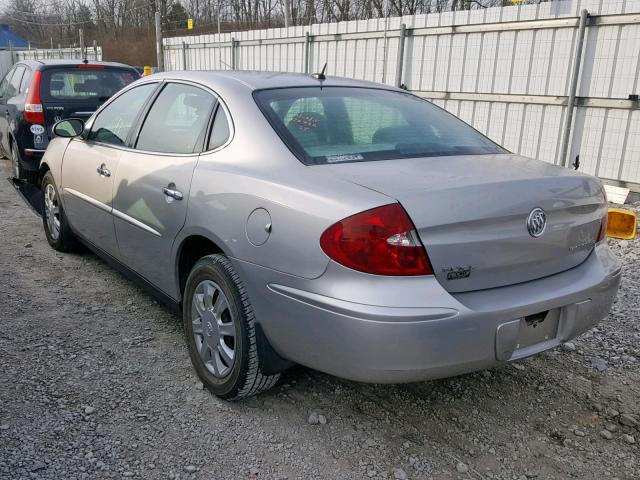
(191, 249)
(42, 171)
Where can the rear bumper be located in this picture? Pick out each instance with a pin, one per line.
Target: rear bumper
(31, 158)
(337, 324)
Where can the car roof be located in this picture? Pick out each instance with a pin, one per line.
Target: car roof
(43, 64)
(257, 80)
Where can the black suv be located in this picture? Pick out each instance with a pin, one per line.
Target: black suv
(35, 94)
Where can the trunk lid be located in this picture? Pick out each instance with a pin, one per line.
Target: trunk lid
(471, 214)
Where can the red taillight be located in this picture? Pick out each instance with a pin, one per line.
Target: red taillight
(381, 241)
(604, 222)
(91, 67)
(33, 111)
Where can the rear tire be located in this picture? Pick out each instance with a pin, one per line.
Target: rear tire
(219, 327)
(19, 171)
(56, 226)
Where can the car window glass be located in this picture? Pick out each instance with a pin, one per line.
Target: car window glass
(302, 106)
(341, 124)
(5, 83)
(26, 81)
(85, 83)
(176, 120)
(220, 130)
(14, 84)
(366, 118)
(114, 123)
(305, 118)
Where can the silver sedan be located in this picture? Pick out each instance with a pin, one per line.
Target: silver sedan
(347, 226)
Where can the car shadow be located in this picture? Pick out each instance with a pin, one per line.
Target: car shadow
(29, 193)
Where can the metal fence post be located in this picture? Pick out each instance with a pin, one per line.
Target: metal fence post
(81, 36)
(159, 46)
(573, 88)
(307, 48)
(233, 53)
(400, 62)
(184, 56)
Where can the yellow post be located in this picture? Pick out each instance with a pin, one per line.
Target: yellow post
(147, 70)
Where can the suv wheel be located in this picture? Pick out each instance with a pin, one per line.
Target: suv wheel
(219, 326)
(19, 171)
(56, 227)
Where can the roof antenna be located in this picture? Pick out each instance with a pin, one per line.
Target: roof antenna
(320, 76)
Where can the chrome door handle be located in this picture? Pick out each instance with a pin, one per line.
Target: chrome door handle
(103, 171)
(171, 191)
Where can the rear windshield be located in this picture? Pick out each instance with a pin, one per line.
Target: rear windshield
(349, 124)
(75, 83)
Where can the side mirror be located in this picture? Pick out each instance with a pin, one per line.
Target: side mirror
(69, 128)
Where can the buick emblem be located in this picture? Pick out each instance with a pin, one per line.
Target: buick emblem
(536, 222)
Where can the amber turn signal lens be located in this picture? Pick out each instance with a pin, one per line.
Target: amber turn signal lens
(622, 224)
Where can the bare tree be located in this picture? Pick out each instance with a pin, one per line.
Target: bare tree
(125, 27)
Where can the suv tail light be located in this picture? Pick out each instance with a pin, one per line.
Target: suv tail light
(33, 111)
(381, 241)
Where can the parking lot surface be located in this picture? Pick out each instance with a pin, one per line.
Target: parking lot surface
(95, 382)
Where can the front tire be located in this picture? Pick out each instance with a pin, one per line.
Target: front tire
(56, 227)
(219, 327)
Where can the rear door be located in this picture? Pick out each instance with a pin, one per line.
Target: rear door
(79, 90)
(153, 180)
(90, 164)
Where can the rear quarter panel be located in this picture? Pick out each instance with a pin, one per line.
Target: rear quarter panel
(256, 170)
(301, 204)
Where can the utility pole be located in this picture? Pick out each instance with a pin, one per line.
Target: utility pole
(159, 54)
(287, 13)
(219, 17)
(81, 35)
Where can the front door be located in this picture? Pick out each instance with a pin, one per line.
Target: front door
(153, 181)
(89, 167)
(87, 187)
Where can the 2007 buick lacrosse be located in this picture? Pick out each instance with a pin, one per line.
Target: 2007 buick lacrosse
(343, 225)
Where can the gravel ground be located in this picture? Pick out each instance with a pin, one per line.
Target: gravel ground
(96, 383)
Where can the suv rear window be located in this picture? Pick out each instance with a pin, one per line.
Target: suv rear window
(351, 124)
(75, 83)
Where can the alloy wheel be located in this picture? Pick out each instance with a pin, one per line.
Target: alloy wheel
(52, 211)
(214, 329)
